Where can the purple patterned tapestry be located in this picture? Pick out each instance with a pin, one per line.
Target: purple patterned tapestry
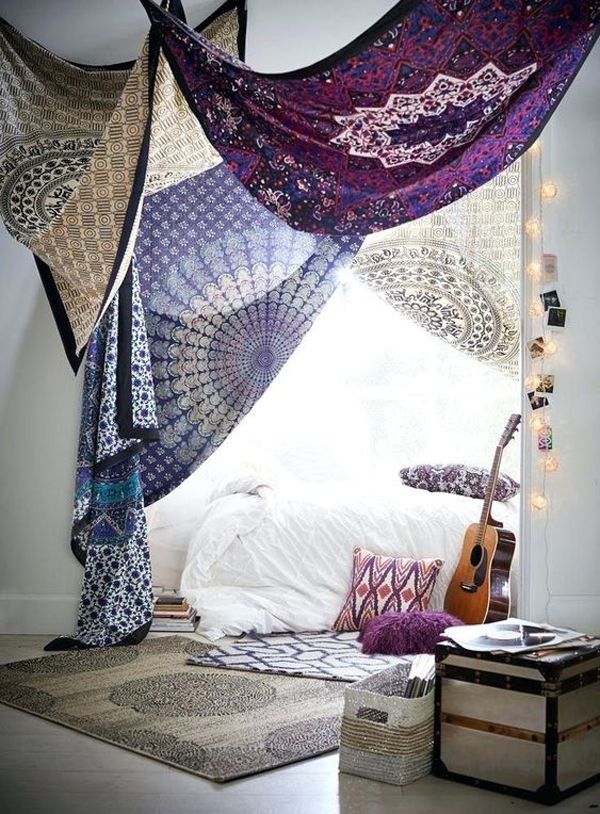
(430, 103)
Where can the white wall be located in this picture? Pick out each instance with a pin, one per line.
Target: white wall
(39, 579)
(564, 559)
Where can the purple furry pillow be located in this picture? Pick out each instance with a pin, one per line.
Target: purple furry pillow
(405, 634)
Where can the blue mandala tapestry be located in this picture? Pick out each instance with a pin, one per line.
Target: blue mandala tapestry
(220, 294)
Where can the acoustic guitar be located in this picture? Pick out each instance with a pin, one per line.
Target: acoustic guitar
(480, 588)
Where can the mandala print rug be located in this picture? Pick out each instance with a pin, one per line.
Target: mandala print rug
(216, 724)
(331, 656)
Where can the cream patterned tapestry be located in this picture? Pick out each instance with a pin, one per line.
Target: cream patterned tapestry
(82, 243)
(456, 272)
(71, 140)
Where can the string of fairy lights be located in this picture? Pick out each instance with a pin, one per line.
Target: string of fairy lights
(547, 317)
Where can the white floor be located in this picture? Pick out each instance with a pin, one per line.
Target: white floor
(45, 768)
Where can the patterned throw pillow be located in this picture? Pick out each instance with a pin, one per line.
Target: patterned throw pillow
(384, 585)
(459, 479)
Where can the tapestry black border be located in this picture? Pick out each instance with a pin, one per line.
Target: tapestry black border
(60, 315)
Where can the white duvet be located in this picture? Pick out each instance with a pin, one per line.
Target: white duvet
(269, 559)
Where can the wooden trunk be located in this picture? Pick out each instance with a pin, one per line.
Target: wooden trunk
(516, 724)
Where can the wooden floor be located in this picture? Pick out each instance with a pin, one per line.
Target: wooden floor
(46, 768)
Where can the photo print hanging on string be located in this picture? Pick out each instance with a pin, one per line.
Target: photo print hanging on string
(544, 438)
(550, 299)
(550, 266)
(537, 401)
(546, 384)
(556, 318)
(536, 347)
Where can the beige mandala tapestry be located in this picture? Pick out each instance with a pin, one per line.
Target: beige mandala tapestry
(80, 146)
(219, 724)
(456, 273)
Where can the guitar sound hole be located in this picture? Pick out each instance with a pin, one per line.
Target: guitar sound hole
(476, 555)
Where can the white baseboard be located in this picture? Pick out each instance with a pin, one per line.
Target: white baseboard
(57, 613)
(38, 613)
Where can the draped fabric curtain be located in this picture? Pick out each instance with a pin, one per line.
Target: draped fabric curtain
(456, 272)
(220, 294)
(79, 145)
(189, 217)
(431, 102)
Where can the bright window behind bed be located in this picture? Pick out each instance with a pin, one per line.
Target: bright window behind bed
(368, 392)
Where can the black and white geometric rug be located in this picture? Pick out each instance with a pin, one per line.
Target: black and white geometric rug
(328, 655)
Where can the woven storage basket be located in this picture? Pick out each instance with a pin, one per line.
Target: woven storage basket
(384, 735)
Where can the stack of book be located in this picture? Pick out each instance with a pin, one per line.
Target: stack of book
(172, 614)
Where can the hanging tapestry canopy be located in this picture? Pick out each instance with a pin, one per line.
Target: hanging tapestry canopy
(76, 154)
(456, 272)
(191, 215)
(431, 102)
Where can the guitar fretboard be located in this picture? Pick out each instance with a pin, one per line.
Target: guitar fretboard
(489, 494)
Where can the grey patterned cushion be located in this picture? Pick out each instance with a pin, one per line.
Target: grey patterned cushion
(459, 479)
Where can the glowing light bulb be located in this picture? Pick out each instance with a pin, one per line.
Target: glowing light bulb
(535, 147)
(534, 270)
(550, 348)
(536, 422)
(539, 502)
(549, 190)
(533, 227)
(535, 309)
(533, 382)
(550, 464)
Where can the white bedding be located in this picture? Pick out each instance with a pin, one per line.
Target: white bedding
(270, 559)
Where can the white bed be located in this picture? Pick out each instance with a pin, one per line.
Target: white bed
(270, 558)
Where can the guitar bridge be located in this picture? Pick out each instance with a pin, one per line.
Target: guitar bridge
(468, 587)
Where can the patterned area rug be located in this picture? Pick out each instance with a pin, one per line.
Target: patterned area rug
(217, 724)
(329, 655)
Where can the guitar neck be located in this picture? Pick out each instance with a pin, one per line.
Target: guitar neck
(490, 492)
